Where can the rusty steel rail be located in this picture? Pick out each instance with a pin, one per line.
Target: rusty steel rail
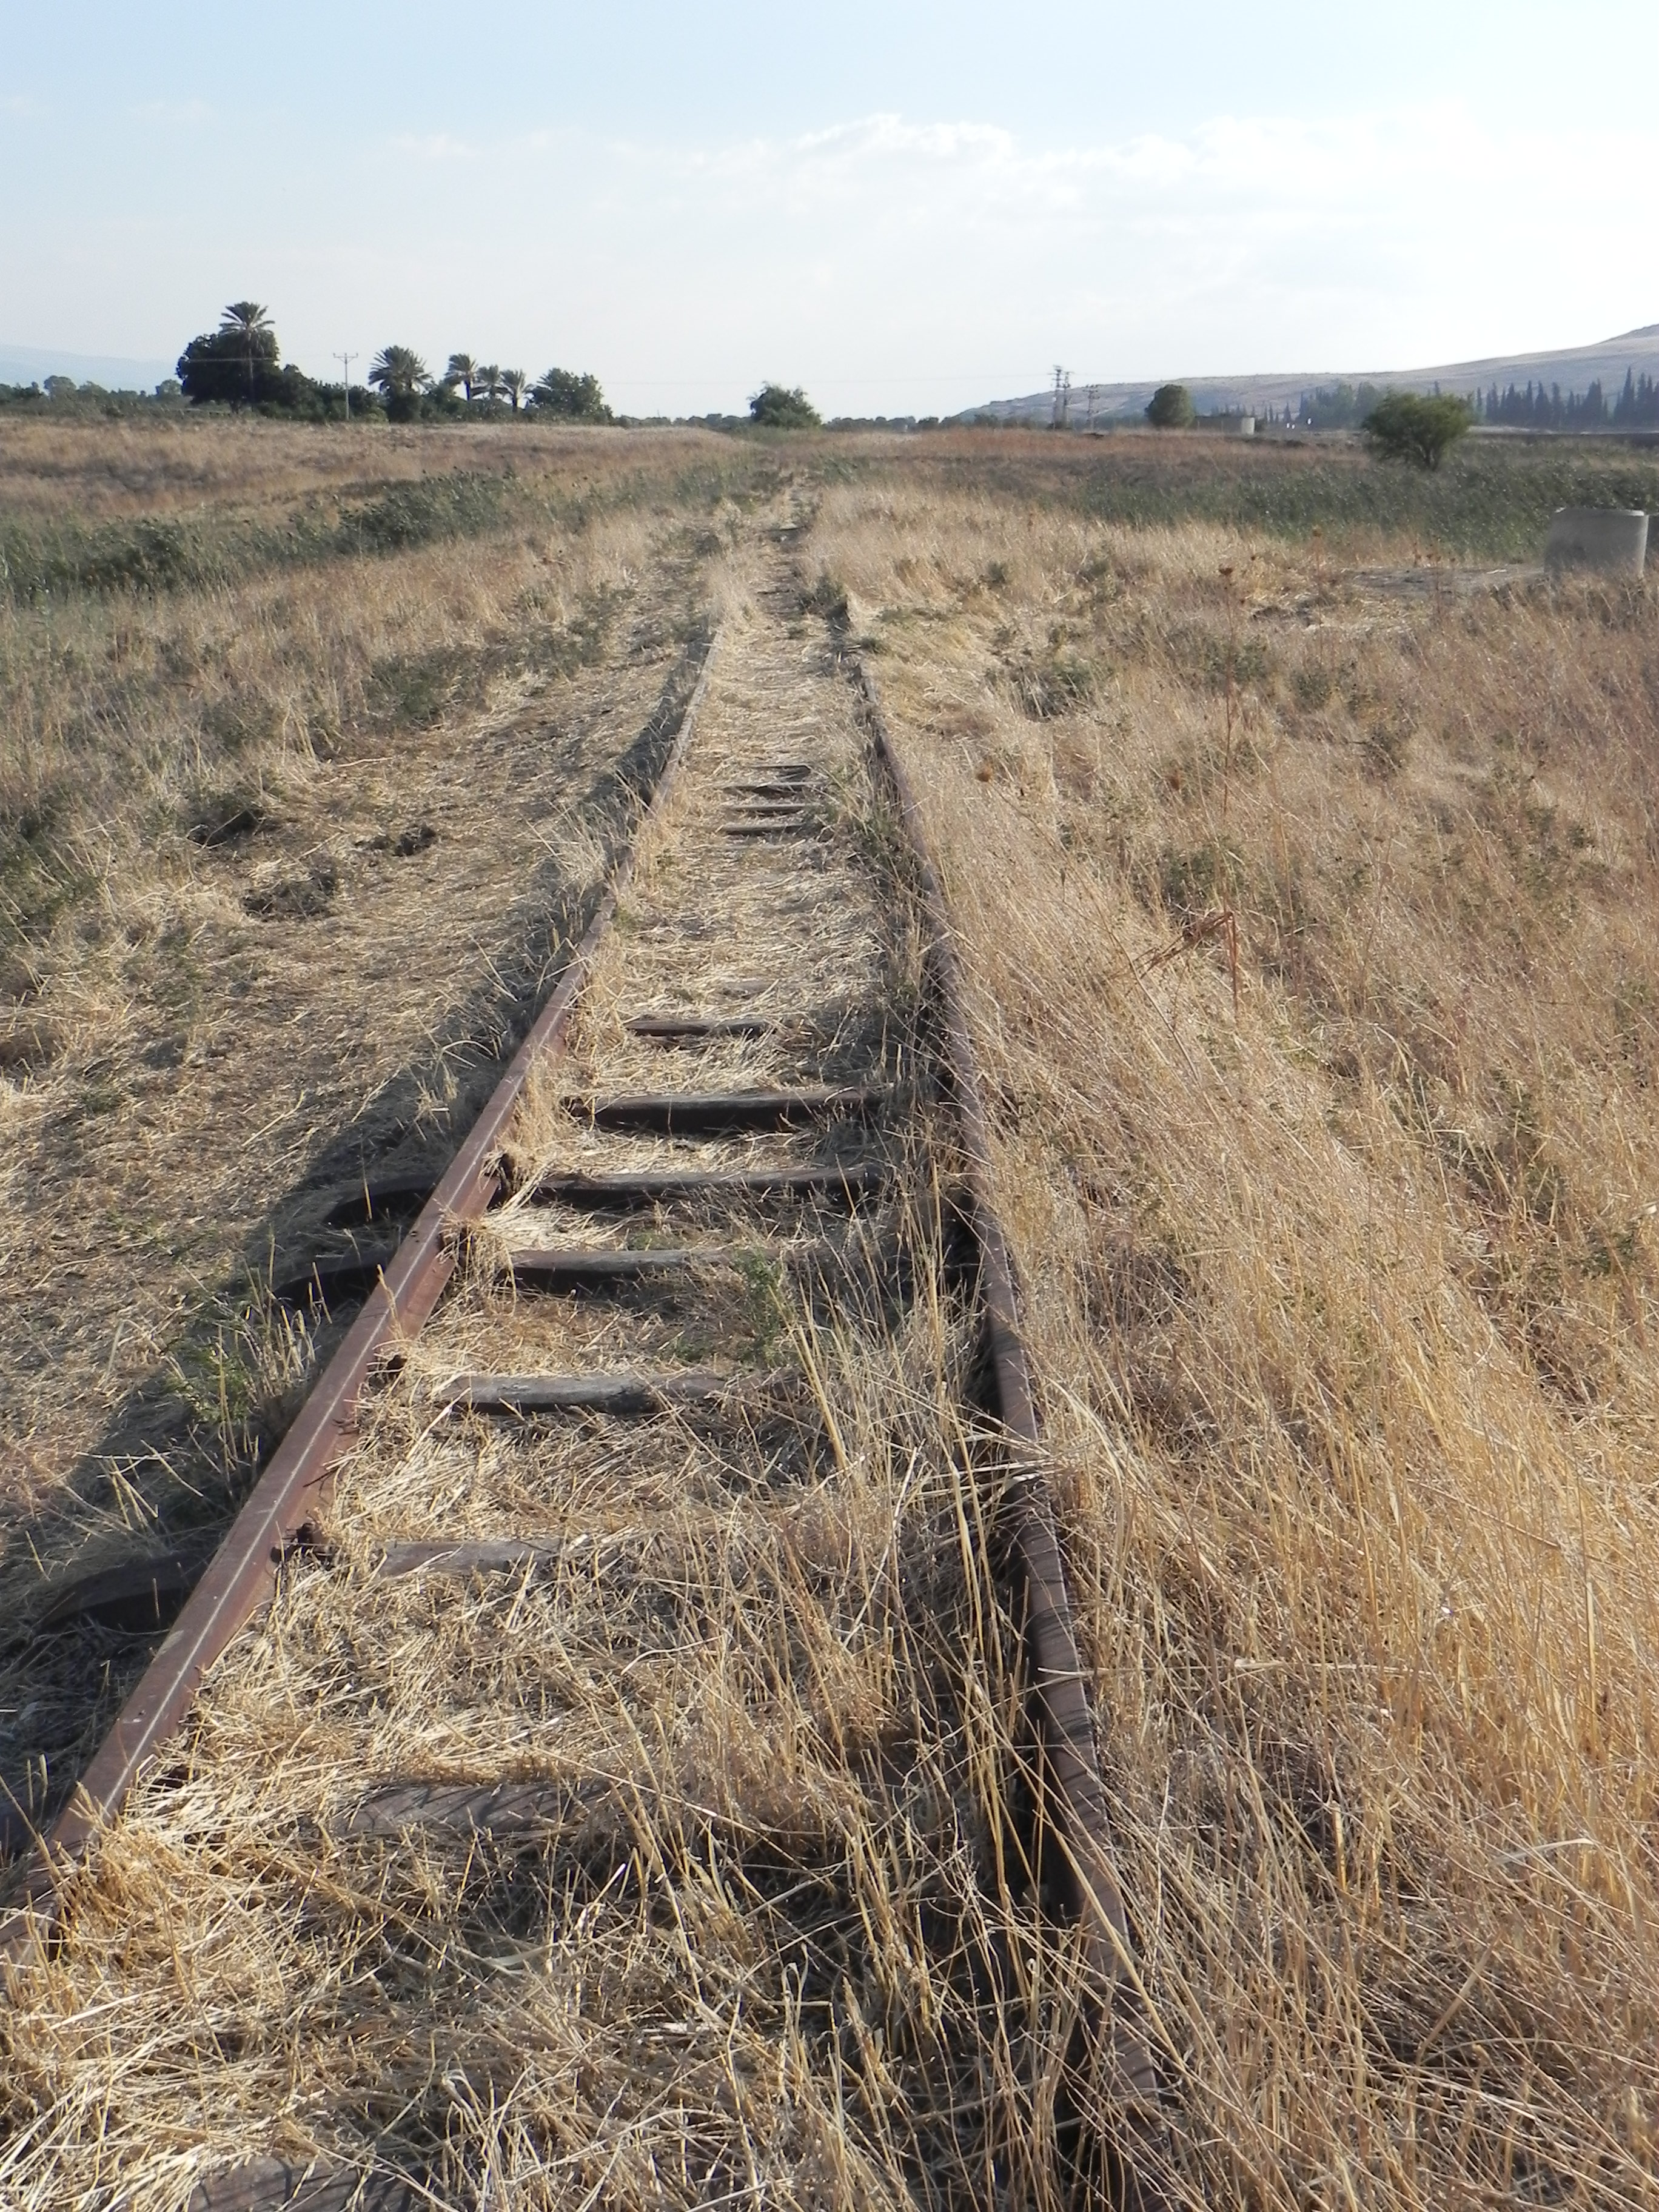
(241, 1576)
(1072, 1790)
(1111, 2073)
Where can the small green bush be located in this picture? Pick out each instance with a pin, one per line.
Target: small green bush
(1170, 407)
(774, 407)
(564, 395)
(1407, 426)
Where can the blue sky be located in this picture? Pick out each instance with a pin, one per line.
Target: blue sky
(904, 208)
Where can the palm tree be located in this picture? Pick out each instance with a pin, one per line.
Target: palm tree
(514, 383)
(248, 320)
(462, 370)
(246, 315)
(398, 371)
(489, 381)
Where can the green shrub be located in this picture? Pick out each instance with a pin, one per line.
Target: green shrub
(1170, 407)
(566, 397)
(422, 513)
(777, 408)
(1407, 426)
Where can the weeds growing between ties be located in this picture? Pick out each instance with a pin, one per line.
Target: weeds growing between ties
(1342, 1292)
(1307, 912)
(283, 851)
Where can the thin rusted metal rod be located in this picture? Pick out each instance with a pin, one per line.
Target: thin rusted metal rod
(241, 1575)
(1065, 1732)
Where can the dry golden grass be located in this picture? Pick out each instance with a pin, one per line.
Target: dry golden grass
(1309, 921)
(204, 794)
(738, 1925)
(1344, 1301)
(100, 470)
(284, 861)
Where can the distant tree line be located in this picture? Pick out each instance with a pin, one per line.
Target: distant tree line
(410, 393)
(62, 395)
(1636, 408)
(240, 365)
(1533, 407)
(1536, 409)
(777, 407)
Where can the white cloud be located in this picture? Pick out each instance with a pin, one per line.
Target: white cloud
(175, 113)
(924, 264)
(886, 263)
(436, 146)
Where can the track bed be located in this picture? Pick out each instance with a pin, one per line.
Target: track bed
(629, 1795)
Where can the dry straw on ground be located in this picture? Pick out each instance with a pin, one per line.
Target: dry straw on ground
(285, 859)
(1310, 923)
(739, 1924)
(1344, 1301)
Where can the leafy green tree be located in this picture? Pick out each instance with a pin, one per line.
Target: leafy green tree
(400, 376)
(515, 383)
(1170, 407)
(249, 325)
(571, 398)
(776, 407)
(462, 370)
(487, 382)
(238, 364)
(1406, 426)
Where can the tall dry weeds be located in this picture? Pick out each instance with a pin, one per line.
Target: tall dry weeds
(283, 860)
(667, 1861)
(1342, 1295)
(1344, 1301)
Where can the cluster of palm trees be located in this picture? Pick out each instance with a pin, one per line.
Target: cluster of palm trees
(397, 373)
(239, 365)
(484, 380)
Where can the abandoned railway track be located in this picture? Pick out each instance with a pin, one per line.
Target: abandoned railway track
(631, 1747)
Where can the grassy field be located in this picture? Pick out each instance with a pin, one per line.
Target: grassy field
(1313, 931)
(1491, 499)
(285, 859)
(1308, 904)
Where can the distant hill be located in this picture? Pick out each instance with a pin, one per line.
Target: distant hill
(34, 364)
(1572, 370)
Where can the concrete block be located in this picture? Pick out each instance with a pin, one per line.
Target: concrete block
(1614, 537)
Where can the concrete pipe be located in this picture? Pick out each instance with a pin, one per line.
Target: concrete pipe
(1614, 537)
